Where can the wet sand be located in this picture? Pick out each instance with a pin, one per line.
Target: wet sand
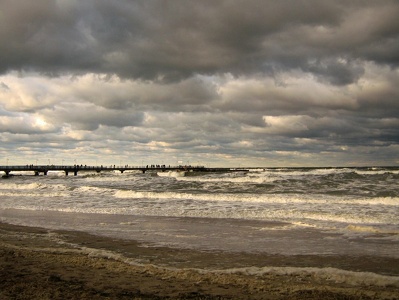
(38, 263)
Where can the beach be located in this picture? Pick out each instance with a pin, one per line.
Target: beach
(38, 263)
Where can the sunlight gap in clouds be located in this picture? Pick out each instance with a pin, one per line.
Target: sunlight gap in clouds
(40, 123)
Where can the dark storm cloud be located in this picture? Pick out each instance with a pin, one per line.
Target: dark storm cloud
(90, 117)
(169, 40)
(186, 95)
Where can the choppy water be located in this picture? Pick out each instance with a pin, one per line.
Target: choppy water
(286, 211)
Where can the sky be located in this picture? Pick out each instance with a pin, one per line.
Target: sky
(217, 83)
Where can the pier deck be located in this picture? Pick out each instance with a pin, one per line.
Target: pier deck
(74, 169)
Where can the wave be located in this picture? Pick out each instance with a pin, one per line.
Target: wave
(371, 229)
(92, 190)
(107, 175)
(18, 186)
(299, 219)
(340, 276)
(34, 186)
(330, 274)
(44, 189)
(254, 197)
(351, 278)
(243, 179)
(235, 197)
(342, 218)
(325, 177)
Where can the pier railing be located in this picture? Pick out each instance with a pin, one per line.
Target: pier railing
(74, 169)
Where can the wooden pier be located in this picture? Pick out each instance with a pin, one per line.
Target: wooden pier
(74, 169)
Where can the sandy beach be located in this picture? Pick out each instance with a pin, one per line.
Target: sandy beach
(37, 263)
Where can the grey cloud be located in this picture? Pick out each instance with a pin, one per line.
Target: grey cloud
(335, 71)
(380, 102)
(193, 94)
(187, 95)
(172, 40)
(90, 117)
(4, 87)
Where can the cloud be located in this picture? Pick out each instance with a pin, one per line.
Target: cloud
(275, 82)
(24, 125)
(175, 40)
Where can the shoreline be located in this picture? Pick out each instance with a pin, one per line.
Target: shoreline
(38, 263)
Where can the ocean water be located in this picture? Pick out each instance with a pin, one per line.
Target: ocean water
(288, 211)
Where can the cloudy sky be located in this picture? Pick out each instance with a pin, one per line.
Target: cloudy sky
(219, 83)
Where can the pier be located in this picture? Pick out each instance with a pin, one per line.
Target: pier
(74, 169)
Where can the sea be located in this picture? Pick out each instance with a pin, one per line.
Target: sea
(278, 211)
